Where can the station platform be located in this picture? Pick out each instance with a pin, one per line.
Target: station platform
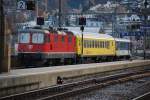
(20, 80)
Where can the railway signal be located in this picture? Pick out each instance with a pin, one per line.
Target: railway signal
(30, 5)
(40, 20)
(82, 21)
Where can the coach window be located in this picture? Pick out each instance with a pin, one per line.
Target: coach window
(93, 44)
(84, 43)
(112, 43)
(87, 43)
(108, 44)
(103, 44)
(90, 43)
(100, 44)
(96, 43)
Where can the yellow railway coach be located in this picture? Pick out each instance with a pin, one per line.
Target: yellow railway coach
(95, 45)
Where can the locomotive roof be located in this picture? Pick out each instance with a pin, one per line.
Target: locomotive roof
(76, 33)
(122, 40)
(46, 31)
(93, 35)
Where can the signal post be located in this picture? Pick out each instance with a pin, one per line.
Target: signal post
(82, 22)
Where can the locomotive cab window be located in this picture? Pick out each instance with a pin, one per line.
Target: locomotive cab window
(24, 37)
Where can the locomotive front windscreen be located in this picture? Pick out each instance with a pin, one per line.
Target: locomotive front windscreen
(24, 38)
(37, 38)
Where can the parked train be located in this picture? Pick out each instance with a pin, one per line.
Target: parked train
(50, 47)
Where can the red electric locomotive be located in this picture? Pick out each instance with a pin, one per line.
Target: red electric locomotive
(46, 47)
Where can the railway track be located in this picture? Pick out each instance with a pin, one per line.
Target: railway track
(70, 89)
(145, 96)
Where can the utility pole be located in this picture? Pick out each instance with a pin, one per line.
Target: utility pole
(37, 8)
(60, 14)
(145, 24)
(115, 34)
(4, 43)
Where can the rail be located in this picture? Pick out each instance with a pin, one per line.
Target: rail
(145, 96)
(70, 89)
